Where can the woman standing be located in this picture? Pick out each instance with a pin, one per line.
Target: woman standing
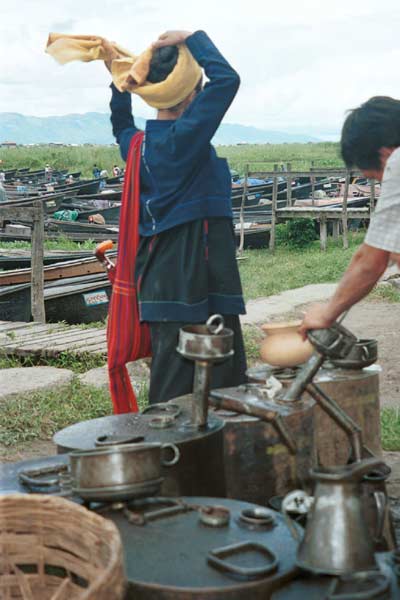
(185, 267)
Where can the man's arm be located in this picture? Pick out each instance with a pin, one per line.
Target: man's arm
(364, 271)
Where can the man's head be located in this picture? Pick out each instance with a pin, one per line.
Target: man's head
(370, 133)
(162, 64)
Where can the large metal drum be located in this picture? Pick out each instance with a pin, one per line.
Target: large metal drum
(355, 391)
(381, 584)
(192, 551)
(200, 469)
(258, 463)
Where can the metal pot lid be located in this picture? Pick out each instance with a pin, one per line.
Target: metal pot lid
(83, 435)
(181, 545)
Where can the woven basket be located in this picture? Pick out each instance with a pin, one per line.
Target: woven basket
(53, 549)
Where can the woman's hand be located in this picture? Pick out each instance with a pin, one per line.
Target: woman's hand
(111, 52)
(171, 38)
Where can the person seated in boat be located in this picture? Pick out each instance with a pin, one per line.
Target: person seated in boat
(370, 141)
(116, 171)
(96, 171)
(186, 262)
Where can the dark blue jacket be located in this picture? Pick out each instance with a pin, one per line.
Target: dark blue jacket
(182, 178)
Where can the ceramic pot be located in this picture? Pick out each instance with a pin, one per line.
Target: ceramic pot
(284, 346)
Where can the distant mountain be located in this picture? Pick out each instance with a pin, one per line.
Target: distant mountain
(95, 128)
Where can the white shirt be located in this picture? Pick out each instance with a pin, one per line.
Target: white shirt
(384, 229)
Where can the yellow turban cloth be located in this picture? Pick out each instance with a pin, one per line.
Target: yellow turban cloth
(129, 72)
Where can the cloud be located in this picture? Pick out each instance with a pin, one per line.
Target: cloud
(302, 64)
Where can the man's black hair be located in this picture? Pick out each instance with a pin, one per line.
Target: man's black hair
(162, 63)
(374, 125)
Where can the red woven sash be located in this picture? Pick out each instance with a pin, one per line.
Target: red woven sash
(127, 338)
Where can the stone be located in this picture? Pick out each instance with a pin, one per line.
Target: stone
(28, 380)
(138, 371)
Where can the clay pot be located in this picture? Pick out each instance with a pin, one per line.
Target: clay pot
(284, 346)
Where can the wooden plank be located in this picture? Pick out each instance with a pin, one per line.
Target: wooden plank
(55, 339)
(244, 196)
(11, 212)
(345, 224)
(289, 200)
(37, 286)
(323, 233)
(372, 199)
(24, 332)
(273, 210)
(323, 173)
(315, 213)
(82, 345)
(43, 333)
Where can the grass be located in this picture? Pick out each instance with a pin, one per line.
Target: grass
(266, 274)
(390, 429)
(82, 158)
(62, 243)
(66, 360)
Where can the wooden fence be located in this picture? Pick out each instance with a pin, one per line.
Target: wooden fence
(337, 215)
(35, 215)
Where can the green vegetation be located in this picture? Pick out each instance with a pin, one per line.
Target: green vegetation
(390, 429)
(62, 243)
(265, 274)
(300, 156)
(82, 158)
(66, 360)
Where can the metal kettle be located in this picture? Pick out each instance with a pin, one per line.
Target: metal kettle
(337, 539)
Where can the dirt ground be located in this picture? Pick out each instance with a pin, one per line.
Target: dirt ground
(378, 320)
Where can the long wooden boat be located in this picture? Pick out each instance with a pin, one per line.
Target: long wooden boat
(110, 215)
(77, 300)
(255, 235)
(21, 259)
(76, 227)
(61, 270)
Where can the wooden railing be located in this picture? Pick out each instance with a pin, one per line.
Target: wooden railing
(338, 215)
(35, 215)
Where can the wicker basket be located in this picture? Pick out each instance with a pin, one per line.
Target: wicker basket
(53, 549)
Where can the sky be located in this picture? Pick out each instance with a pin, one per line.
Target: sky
(302, 63)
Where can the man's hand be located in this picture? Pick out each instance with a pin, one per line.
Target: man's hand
(171, 38)
(317, 317)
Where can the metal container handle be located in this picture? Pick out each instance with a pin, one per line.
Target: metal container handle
(216, 560)
(30, 477)
(103, 441)
(172, 410)
(215, 324)
(176, 457)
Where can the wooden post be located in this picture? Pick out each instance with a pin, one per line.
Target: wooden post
(312, 184)
(372, 199)
(244, 196)
(344, 211)
(323, 233)
(37, 286)
(273, 208)
(289, 186)
(335, 229)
